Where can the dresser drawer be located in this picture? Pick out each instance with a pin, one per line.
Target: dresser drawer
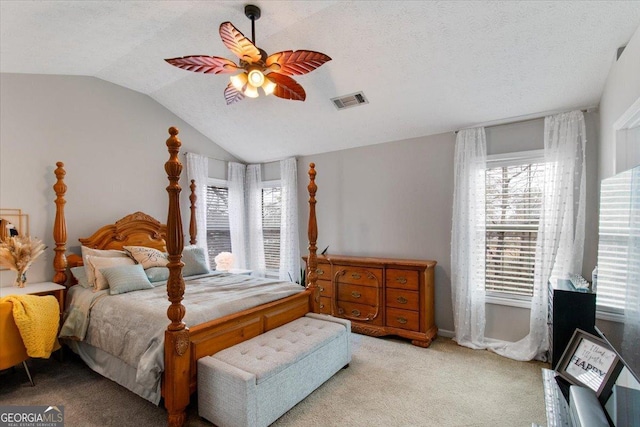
(355, 311)
(403, 299)
(403, 319)
(323, 271)
(359, 294)
(359, 276)
(325, 305)
(326, 288)
(402, 279)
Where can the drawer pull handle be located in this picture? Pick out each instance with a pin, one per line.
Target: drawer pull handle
(356, 276)
(402, 300)
(356, 294)
(321, 289)
(401, 280)
(355, 313)
(402, 320)
(319, 271)
(321, 305)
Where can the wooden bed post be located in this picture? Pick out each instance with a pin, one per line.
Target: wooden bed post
(176, 345)
(312, 261)
(193, 225)
(60, 227)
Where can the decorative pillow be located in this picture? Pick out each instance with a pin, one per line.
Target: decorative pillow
(97, 263)
(194, 261)
(126, 278)
(86, 252)
(80, 274)
(157, 274)
(148, 257)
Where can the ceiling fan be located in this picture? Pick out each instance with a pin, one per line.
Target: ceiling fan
(256, 69)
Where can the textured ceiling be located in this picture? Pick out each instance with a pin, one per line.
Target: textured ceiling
(425, 67)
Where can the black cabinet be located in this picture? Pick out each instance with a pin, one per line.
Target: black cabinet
(568, 309)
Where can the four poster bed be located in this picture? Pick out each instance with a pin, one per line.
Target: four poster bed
(180, 345)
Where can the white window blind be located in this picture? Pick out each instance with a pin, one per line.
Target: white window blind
(513, 200)
(271, 209)
(613, 244)
(218, 235)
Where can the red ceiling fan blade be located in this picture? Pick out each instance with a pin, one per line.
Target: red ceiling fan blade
(231, 94)
(237, 43)
(204, 64)
(287, 88)
(295, 63)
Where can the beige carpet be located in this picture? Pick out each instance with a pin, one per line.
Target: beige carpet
(392, 383)
(389, 383)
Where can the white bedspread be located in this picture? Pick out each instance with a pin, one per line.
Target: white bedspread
(131, 326)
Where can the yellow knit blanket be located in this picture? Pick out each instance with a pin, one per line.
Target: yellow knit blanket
(37, 319)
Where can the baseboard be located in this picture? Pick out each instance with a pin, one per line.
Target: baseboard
(445, 333)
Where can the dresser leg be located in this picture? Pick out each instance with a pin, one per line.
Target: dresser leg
(423, 344)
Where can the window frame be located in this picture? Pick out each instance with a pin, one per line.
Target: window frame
(502, 160)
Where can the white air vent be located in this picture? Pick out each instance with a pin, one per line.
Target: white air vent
(348, 101)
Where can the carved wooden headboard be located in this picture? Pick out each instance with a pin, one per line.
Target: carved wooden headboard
(136, 229)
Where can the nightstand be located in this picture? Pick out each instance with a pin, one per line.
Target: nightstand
(43, 288)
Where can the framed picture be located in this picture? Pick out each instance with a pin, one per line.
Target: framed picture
(588, 361)
(13, 223)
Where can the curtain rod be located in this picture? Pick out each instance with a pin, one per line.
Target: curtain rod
(221, 160)
(208, 157)
(584, 110)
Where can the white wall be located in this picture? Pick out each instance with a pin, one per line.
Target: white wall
(395, 200)
(621, 90)
(112, 141)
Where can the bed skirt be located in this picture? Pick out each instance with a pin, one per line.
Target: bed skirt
(113, 368)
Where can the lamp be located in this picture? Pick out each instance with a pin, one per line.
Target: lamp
(248, 83)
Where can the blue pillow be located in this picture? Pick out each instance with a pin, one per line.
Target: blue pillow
(157, 274)
(194, 261)
(80, 274)
(126, 278)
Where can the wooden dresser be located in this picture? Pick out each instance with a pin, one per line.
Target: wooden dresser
(380, 296)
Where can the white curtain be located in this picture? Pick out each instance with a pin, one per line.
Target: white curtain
(235, 178)
(255, 261)
(560, 242)
(198, 170)
(468, 238)
(289, 238)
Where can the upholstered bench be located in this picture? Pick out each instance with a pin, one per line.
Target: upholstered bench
(255, 382)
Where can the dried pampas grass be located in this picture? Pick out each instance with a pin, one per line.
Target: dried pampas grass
(18, 253)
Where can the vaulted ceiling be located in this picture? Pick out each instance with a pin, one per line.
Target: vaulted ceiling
(426, 67)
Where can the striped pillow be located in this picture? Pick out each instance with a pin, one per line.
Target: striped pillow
(97, 264)
(126, 278)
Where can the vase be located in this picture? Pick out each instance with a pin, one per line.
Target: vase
(21, 279)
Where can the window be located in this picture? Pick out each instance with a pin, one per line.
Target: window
(218, 235)
(513, 199)
(271, 208)
(613, 245)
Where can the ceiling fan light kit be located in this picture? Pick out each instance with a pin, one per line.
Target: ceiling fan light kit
(271, 73)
